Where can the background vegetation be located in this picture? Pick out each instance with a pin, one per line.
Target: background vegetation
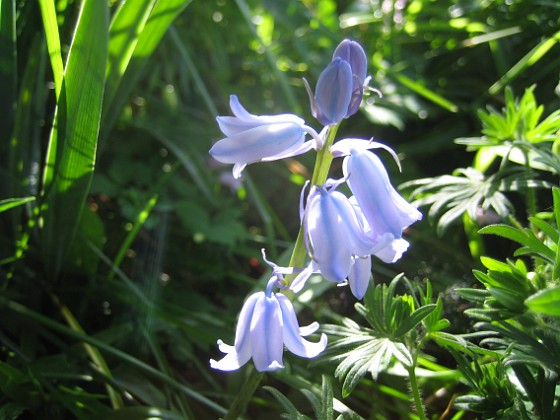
(125, 252)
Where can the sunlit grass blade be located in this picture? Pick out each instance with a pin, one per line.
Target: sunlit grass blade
(48, 14)
(73, 142)
(127, 24)
(527, 61)
(10, 203)
(163, 13)
(416, 86)
(425, 92)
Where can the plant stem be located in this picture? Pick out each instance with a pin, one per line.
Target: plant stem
(320, 173)
(249, 387)
(416, 392)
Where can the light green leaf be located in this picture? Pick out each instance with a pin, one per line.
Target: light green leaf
(526, 61)
(126, 70)
(10, 203)
(48, 14)
(73, 143)
(546, 301)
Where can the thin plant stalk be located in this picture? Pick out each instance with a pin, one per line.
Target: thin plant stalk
(93, 353)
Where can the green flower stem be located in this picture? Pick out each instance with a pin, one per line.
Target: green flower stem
(249, 387)
(416, 392)
(320, 173)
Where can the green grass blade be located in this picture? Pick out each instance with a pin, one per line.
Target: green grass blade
(8, 94)
(163, 13)
(199, 83)
(73, 143)
(527, 61)
(26, 313)
(425, 92)
(8, 71)
(126, 26)
(48, 14)
(10, 203)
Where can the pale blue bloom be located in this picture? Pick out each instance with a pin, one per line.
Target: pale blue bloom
(257, 138)
(266, 324)
(384, 209)
(340, 86)
(334, 233)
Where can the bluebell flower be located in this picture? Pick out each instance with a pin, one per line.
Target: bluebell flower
(340, 86)
(384, 209)
(334, 234)
(257, 138)
(354, 54)
(266, 324)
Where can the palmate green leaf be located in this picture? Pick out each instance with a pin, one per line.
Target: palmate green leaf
(73, 142)
(546, 301)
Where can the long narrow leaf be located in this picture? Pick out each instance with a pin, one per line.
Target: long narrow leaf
(48, 13)
(8, 71)
(73, 143)
(527, 61)
(163, 13)
(126, 26)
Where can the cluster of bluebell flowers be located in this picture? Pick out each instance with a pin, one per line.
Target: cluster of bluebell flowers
(340, 233)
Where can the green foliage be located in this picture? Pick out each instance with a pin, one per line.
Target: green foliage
(124, 253)
(391, 335)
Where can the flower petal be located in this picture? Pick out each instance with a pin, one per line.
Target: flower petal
(359, 276)
(393, 251)
(292, 334)
(238, 355)
(385, 210)
(258, 143)
(354, 54)
(266, 334)
(334, 92)
(327, 234)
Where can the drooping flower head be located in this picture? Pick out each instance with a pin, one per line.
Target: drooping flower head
(255, 138)
(266, 324)
(340, 85)
(384, 209)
